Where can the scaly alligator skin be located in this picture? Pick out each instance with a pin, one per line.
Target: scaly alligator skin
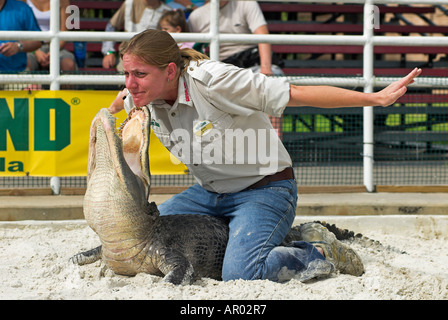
(134, 238)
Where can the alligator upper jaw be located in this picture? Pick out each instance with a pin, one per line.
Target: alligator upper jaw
(127, 149)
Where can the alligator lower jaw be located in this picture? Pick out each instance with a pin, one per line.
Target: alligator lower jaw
(124, 258)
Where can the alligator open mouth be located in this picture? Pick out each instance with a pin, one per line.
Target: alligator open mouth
(125, 149)
(134, 133)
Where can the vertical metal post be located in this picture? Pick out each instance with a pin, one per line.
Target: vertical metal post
(55, 182)
(214, 30)
(368, 60)
(54, 44)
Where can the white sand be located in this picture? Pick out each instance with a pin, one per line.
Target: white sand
(34, 265)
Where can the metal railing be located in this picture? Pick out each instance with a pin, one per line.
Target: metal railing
(368, 40)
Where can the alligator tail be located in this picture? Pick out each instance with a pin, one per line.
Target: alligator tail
(351, 237)
(343, 235)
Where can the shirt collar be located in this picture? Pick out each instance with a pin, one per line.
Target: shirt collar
(183, 95)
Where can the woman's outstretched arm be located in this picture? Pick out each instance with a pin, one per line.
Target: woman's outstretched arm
(333, 97)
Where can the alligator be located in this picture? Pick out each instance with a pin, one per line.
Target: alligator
(134, 237)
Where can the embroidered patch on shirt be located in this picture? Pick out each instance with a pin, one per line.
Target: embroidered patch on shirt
(155, 123)
(202, 128)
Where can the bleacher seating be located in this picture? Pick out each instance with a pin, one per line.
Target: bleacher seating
(347, 20)
(283, 18)
(296, 7)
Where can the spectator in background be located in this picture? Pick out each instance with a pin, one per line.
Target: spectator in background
(16, 16)
(40, 58)
(238, 17)
(174, 21)
(133, 16)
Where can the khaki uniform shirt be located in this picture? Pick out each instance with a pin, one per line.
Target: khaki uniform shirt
(219, 128)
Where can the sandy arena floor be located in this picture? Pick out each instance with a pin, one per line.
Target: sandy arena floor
(34, 265)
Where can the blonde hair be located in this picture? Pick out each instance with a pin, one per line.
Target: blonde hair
(158, 48)
(175, 18)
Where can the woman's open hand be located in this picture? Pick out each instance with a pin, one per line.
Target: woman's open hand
(396, 89)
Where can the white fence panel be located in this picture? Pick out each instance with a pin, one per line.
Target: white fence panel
(367, 39)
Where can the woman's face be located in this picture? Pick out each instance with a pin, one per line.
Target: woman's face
(145, 82)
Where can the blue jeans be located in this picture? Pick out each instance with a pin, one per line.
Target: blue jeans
(259, 219)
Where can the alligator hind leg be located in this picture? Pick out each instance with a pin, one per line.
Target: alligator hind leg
(87, 257)
(175, 266)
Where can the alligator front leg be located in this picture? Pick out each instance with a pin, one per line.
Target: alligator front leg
(174, 265)
(87, 257)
